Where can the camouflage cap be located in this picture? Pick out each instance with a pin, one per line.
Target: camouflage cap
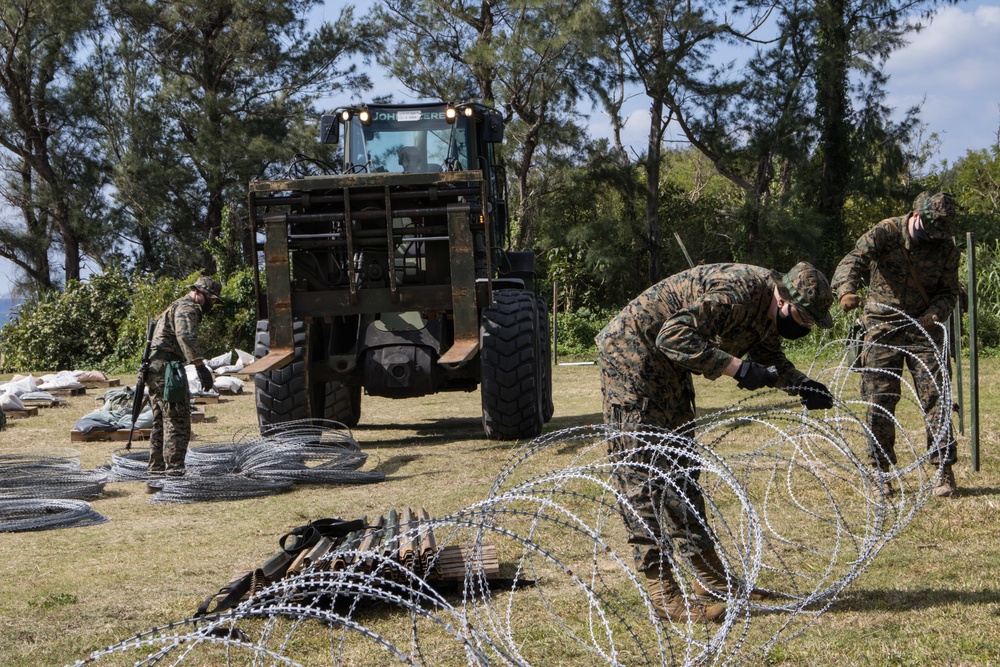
(210, 287)
(938, 211)
(807, 288)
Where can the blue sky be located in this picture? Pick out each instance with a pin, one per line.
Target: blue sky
(949, 68)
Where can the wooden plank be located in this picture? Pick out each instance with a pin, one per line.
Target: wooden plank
(454, 561)
(21, 414)
(45, 402)
(68, 391)
(206, 400)
(121, 435)
(101, 384)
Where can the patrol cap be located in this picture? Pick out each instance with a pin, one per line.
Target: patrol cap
(938, 211)
(210, 287)
(807, 288)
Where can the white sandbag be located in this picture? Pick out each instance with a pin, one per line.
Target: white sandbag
(194, 384)
(21, 385)
(221, 360)
(11, 402)
(90, 376)
(60, 383)
(229, 383)
(243, 358)
(36, 396)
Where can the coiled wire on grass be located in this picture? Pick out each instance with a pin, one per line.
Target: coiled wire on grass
(256, 463)
(18, 516)
(48, 475)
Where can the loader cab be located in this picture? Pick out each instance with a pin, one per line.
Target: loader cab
(415, 138)
(424, 138)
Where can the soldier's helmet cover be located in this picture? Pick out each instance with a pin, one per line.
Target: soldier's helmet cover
(809, 291)
(209, 287)
(938, 211)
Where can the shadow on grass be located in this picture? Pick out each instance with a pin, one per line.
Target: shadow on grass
(888, 599)
(452, 428)
(972, 492)
(559, 423)
(394, 464)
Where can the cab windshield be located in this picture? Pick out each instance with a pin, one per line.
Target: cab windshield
(411, 140)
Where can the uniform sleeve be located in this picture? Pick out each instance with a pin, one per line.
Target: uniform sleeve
(687, 338)
(856, 265)
(186, 320)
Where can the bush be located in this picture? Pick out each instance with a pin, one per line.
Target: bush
(101, 324)
(987, 297)
(73, 329)
(576, 331)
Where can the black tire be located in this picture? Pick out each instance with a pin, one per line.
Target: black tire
(343, 404)
(545, 344)
(510, 360)
(282, 395)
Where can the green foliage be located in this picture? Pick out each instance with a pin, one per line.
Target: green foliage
(226, 249)
(590, 237)
(77, 328)
(975, 182)
(202, 98)
(576, 331)
(987, 297)
(101, 324)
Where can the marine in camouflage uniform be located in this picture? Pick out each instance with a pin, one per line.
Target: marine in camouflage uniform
(912, 262)
(175, 338)
(703, 321)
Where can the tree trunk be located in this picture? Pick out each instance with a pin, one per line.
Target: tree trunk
(833, 174)
(654, 150)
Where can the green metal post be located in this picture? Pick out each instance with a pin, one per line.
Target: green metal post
(973, 356)
(956, 335)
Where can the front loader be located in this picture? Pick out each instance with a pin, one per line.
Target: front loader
(388, 276)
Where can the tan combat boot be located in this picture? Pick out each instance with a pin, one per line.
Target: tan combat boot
(944, 485)
(710, 580)
(882, 482)
(670, 603)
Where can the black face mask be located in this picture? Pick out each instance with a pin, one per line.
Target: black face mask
(789, 328)
(921, 235)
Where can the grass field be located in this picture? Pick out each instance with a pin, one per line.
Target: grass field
(930, 597)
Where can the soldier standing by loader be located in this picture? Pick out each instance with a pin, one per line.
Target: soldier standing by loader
(913, 264)
(703, 321)
(175, 343)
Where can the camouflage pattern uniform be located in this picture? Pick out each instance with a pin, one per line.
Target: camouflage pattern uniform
(175, 338)
(880, 256)
(693, 322)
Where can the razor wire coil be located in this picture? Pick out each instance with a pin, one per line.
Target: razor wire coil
(792, 503)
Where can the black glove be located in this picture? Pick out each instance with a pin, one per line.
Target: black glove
(814, 395)
(205, 375)
(751, 375)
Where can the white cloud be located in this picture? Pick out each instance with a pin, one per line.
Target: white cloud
(950, 66)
